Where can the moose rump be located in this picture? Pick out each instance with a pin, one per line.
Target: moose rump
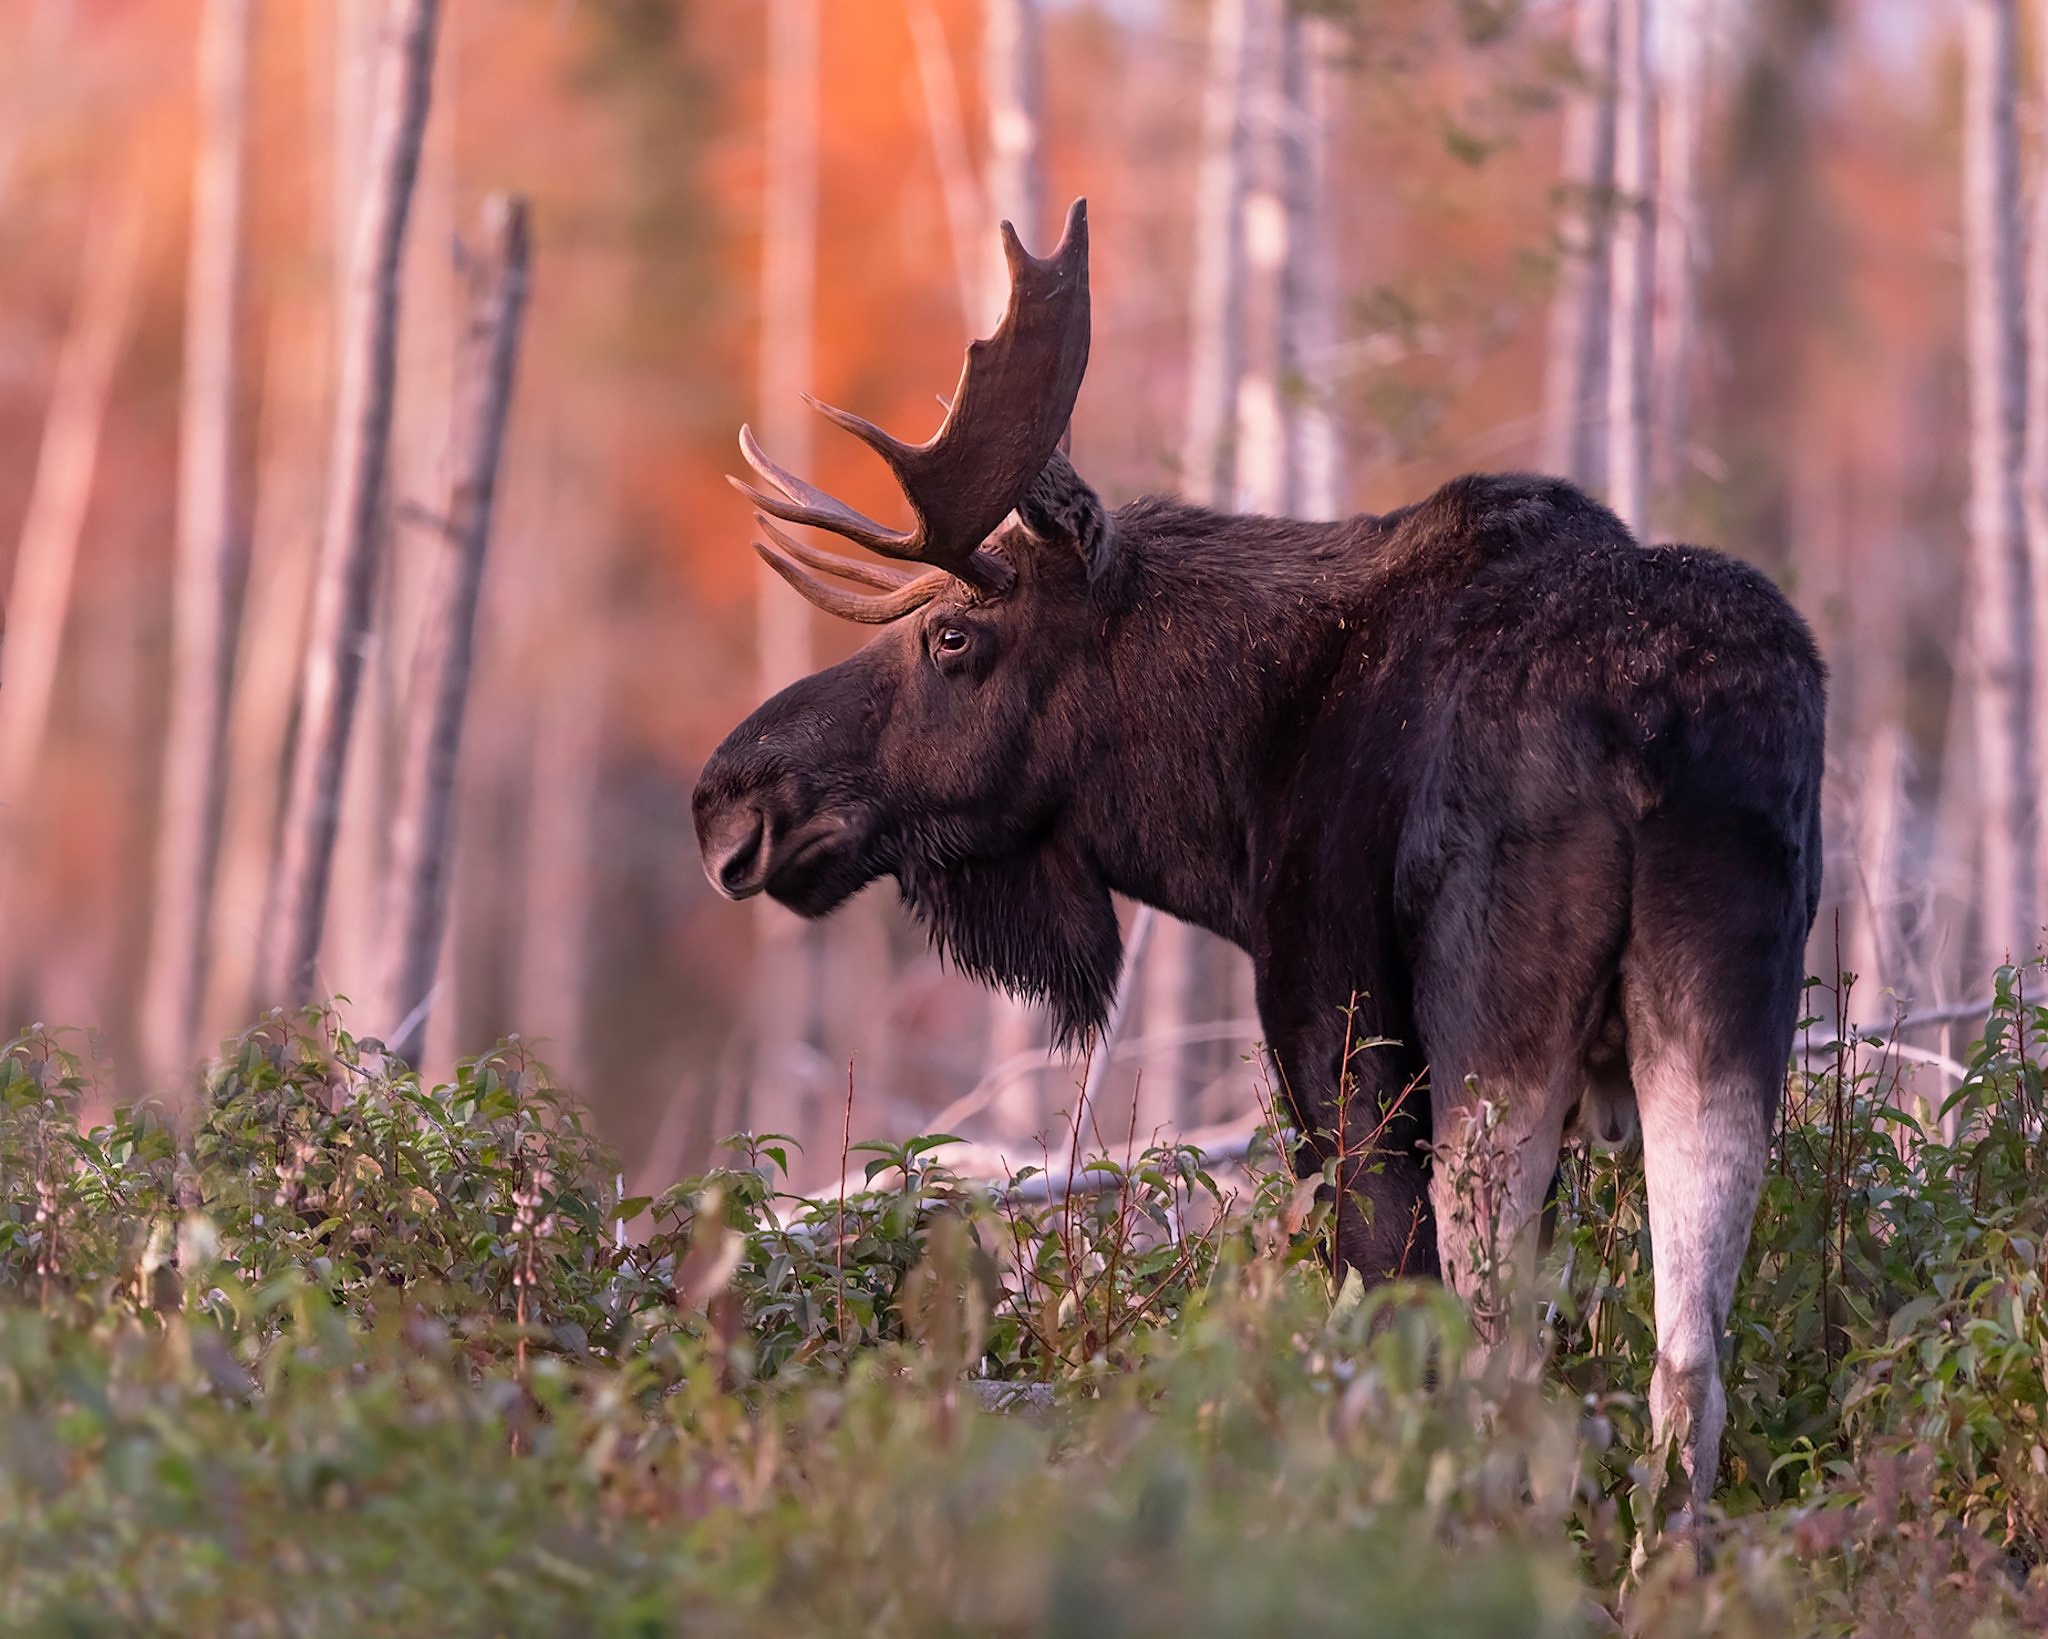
(1501, 803)
(1606, 872)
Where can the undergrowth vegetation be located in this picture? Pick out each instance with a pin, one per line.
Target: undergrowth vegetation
(338, 1353)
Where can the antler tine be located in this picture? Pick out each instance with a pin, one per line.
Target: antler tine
(1014, 399)
(1016, 258)
(796, 502)
(885, 444)
(870, 609)
(881, 577)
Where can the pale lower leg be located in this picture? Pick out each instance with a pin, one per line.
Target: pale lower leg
(1704, 1153)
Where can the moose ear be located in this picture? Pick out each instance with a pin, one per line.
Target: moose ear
(1061, 509)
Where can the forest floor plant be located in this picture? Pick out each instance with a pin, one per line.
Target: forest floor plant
(335, 1352)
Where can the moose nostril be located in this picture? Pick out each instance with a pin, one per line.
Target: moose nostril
(736, 867)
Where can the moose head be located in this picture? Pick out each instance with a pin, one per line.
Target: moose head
(946, 752)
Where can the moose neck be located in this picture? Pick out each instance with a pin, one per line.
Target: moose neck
(1223, 635)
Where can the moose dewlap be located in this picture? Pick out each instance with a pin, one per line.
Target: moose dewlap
(1530, 809)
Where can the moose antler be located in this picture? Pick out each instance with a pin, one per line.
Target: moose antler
(1009, 412)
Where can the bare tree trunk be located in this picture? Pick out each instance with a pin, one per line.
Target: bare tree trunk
(1012, 57)
(269, 645)
(1575, 370)
(349, 952)
(554, 949)
(1171, 987)
(1012, 186)
(1313, 452)
(1258, 439)
(1287, 453)
(438, 697)
(1217, 343)
(1681, 245)
(1824, 522)
(302, 343)
(89, 940)
(1947, 961)
(354, 59)
(1874, 672)
(958, 186)
(1872, 952)
(440, 1048)
(2035, 490)
(1175, 966)
(1997, 337)
(190, 809)
(1629, 339)
(39, 597)
(351, 949)
(784, 1085)
(789, 256)
(348, 553)
(355, 945)
(560, 623)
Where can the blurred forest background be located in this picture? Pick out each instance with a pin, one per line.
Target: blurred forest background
(1757, 270)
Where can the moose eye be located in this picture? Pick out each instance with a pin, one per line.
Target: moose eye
(950, 640)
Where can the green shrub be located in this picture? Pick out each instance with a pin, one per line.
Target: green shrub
(334, 1352)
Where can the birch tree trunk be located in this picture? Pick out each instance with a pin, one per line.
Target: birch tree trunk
(1945, 964)
(2035, 486)
(1216, 344)
(1257, 439)
(1287, 453)
(348, 555)
(1877, 602)
(1012, 56)
(1632, 280)
(1872, 947)
(555, 615)
(1174, 964)
(1575, 369)
(188, 826)
(1681, 245)
(789, 255)
(355, 944)
(350, 950)
(1011, 187)
(1312, 450)
(958, 186)
(563, 780)
(785, 1086)
(39, 596)
(354, 68)
(269, 645)
(2001, 627)
(438, 697)
(298, 377)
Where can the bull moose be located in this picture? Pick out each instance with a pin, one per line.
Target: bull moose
(1499, 801)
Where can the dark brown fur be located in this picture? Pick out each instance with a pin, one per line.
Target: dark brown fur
(1422, 767)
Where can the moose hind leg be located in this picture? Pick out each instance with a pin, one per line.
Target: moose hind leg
(1705, 1144)
(1522, 941)
(1494, 1157)
(1711, 984)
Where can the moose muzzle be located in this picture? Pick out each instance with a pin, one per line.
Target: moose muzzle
(765, 836)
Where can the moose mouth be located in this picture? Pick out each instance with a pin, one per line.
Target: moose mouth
(812, 867)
